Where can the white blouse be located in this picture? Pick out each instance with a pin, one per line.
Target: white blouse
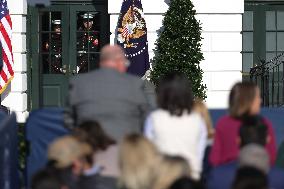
(185, 136)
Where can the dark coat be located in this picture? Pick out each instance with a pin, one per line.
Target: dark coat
(222, 177)
(97, 182)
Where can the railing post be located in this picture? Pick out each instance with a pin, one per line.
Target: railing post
(269, 86)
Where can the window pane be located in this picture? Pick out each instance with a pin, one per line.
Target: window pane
(51, 43)
(248, 21)
(45, 21)
(82, 62)
(94, 61)
(45, 42)
(247, 41)
(88, 41)
(280, 20)
(270, 41)
(270, 56)
(56, 43)
(280, 41)
(270, 20)
(45, 64)
(87, 62)
(56, 64)
(247, 61)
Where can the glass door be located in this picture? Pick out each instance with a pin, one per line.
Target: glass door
(64, 40)
(87, 37)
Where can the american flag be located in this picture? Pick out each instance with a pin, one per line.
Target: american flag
(125, 31)
(7, 72)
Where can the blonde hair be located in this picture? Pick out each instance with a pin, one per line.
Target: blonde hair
(138, 160)
(200, 107)
(171, 169)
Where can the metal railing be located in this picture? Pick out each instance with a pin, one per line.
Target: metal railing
(269, 77)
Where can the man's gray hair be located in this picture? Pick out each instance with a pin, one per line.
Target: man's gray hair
(256, 156)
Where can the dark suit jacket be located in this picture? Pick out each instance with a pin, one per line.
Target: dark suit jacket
(222, 177)
(116, 100)
(97, 182)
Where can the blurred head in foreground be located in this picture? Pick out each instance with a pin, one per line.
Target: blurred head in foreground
(250, 178)
(171, 169)
(138, 160)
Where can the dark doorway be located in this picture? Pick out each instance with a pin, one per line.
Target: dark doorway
(64, 40)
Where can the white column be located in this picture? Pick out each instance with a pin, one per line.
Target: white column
(15, 96)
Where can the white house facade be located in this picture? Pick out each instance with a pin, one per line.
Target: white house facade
(222, 46)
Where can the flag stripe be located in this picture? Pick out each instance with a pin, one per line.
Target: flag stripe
(7, 65)
(7, 25)
(7, 73)
(9, 21)
(3, 72)
(3, 77)
(6, 36)
(7, 51)
(2, 82)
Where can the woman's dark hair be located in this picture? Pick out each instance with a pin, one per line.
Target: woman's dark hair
(253, 130)
(241, 98)
(48, 178)
(62, 176)
(174, 94)
(186, 183)
(92, 133)
(250, 178)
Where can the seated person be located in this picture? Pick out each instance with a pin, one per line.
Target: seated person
(244, 100)
(48, 178)
(175, 128)
(250, 178)
(101, 167)
(67, 156)
(185, 183)
(253, 137)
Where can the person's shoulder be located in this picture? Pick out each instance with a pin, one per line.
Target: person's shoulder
(226, 119)
(195, 115)
(132, 78)
(85, 76)
(159, 112)
(266, 121)
(133, 81)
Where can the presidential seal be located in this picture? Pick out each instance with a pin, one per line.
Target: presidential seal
(133, 27)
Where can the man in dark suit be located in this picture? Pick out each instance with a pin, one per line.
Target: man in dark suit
(109, 95)
(253, 138)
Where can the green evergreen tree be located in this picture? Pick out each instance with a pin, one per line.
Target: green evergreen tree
(178, 49)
